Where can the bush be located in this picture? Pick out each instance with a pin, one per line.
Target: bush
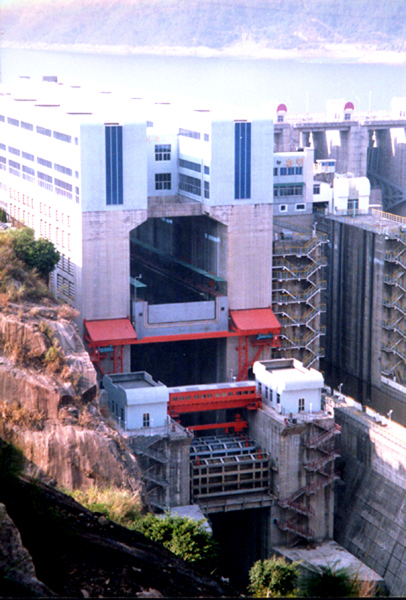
(337, 583)
(38, 254)
(184, 537)
(119, 505)
(274, 577)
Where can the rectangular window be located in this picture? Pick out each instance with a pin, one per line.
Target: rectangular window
(43, 131)
(162, 151)
(278, 398)
(28, 170)
(316, 189)
(27, 156)
(162, 181)
(207, 189)
(270, 395)
(146, 420)
(283, 171)
(65, 287)
(206, 137)
(266, 393)
(352, 203)
(44, 177)
(192, 166)
(14, 164)
(242, 160)
(275, 191)
(114, 164)
(2, 118)
(301, 404)
(63, 184)
(2, 146)
(62, 169)
(27, 126)
(44, 163)
(188, 133)
(62, 136)
(14, 151)
(275, 171)
(291, 170)
(298, 170)
(300, 207)
(190, 184)
(14, 122)
(259, 387)
(280, 118)
(206, 170)
(150, 124)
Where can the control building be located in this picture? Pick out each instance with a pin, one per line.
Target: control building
(162, 215)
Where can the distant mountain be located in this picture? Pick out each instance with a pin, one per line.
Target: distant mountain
(215, 24)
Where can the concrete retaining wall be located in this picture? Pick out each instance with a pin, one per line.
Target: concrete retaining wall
(370, 519)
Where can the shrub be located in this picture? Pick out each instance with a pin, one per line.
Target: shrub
(336, 583)
(38, 254)
(274, 577)
(119, 505)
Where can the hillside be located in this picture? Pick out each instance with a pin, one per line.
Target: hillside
(309, 25)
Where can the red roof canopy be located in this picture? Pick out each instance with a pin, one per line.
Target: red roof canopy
(282, 107)
(115, 332)
(349, 106)
(255, 320)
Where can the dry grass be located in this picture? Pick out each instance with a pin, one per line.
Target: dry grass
(67, 312)
(119, 505)
(13, 415)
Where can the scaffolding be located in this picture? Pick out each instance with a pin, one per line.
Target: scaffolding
(394, 306)
(297, 285)
(319, 456)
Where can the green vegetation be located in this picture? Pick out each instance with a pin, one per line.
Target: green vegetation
(331, 582)
(268, 23)
(184, 537)
(3, 216)
(38, 254)
(274, 578)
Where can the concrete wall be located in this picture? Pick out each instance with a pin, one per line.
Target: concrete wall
(354, 299)
(106, 246)
(370, 518)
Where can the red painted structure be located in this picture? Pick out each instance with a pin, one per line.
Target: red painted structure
(212, 397)
(256, 328)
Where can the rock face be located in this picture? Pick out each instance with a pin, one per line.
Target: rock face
(78, 553)
(49, 404)
(17, 571)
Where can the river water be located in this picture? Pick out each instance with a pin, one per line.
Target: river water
(302, 85)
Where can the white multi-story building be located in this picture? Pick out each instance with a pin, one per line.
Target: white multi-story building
(124, 187)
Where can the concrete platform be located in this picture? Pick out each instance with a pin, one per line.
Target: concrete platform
(192, 511)
(331, 554)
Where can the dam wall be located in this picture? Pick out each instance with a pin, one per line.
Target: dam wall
(370, 504)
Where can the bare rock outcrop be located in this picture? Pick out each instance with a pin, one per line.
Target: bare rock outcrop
(17, 571)
(49, 404)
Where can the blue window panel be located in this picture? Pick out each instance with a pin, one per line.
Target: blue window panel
(242, 151)
(114, 164)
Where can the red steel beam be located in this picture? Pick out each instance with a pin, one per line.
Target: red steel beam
(236, 425)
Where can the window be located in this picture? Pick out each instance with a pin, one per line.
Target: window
(298, 170)
(44, 163)
(150, 124)
(259, 387)
(283, 171)
(352, 203)
(27, 126)
(76, 141)
(300, 207)
(28, 170)
(114, 164)
(44, 177)
(192, 134)
(278, 398)
(2, 118)
(291, 170)
(206, 137)
(65, 287)
(301, 404)
(316, 189)
(192, 166)
(43, 131)
(162, 151)
(280, 118)
(162, 181)
(62, 169)
(347, 117)
(146, 420)
(207, 189)
(283, 208)
(275, 171)
(14, 122)
(63, 184)
(14, 151)
(242, 160)
(190, 184)
(28, 156)
(62, 136)
(290, 190)
(266, 393)
(206, 170)
(2, 146)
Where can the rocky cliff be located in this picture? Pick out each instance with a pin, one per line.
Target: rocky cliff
(49, 403)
